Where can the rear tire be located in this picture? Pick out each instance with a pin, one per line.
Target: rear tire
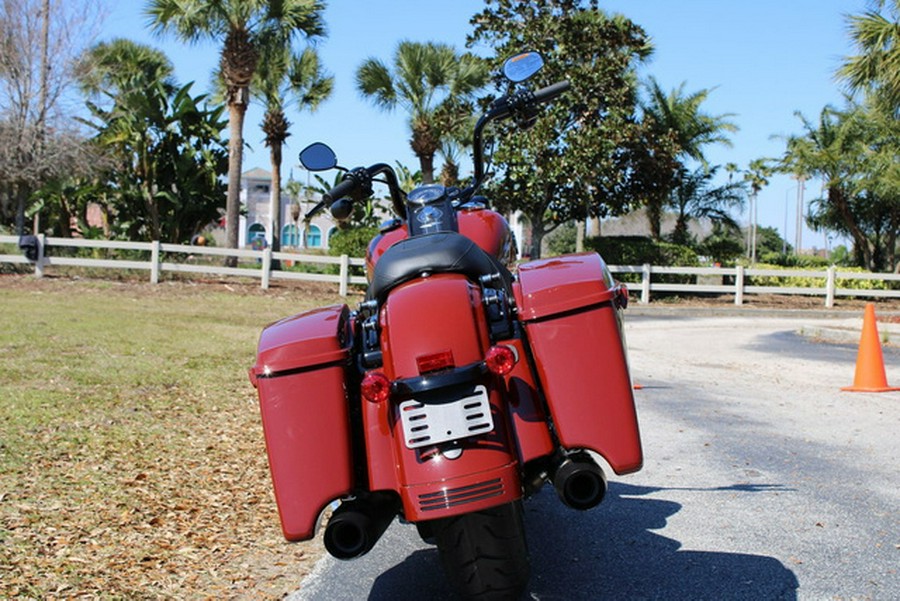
(484, 553)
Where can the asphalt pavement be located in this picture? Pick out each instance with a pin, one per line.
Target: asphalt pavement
(762, 479)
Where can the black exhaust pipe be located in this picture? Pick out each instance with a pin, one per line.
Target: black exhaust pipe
(356, 525)
(579, 481)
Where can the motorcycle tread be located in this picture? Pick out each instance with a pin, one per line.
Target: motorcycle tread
(484, 553)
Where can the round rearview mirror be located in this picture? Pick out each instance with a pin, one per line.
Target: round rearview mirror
(520, 67)
(318, 157)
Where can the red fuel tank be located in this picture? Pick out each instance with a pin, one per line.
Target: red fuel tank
(487, 228)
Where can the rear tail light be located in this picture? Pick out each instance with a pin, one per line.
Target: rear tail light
(435, 362)
(500, 360)
(375, 387)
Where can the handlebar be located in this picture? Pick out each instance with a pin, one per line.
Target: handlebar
(345, 188)
(357, 184)
(550, 92)
(507, 106)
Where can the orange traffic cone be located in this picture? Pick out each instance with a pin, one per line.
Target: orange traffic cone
(870, 376)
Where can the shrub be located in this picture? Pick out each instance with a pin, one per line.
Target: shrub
(790, 281)
(563, 239)
(352, 242)
(637, 250)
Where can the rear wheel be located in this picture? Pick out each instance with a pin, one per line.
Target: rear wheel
(484, 553)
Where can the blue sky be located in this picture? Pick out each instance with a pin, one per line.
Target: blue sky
(763, 59)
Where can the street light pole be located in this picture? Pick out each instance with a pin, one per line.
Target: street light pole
(801, 180)
(755, 210)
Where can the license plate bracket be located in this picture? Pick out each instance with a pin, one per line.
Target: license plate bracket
(446, 419)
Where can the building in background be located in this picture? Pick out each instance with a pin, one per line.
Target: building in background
(256, 186)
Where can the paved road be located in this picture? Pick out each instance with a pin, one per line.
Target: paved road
(762, 480)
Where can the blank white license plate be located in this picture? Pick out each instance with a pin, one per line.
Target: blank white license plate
(434, 423)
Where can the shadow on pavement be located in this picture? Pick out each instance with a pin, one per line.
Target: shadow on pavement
(611, 552)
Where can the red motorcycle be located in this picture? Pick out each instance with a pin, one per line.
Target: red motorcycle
(458, 388)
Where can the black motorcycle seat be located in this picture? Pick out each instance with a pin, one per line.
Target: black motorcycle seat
(441, 252)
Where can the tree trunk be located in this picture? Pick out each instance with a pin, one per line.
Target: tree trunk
(275, 199)
(237, 108)
(537, 235)
(153, 211)
(860, 240)
(426, 165)
(892, 247)
(21, 197)
(654, 218)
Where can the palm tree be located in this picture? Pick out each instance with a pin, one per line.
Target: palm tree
(284, 78)
(696, 198)
(433, 84)
(876, 69)
(678, 118)
(757, 177)
(122, 65)
(242, 26)
(680, 115)
(854, 152)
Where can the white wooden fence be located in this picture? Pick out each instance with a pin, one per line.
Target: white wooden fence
(739, 277)
(178, 258)
(258, 264)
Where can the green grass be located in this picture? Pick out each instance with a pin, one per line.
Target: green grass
(132, 461)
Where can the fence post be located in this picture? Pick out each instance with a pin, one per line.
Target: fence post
(39, 264)
(345, 274)
(645, 284)
(155, 247)
(739, 286)
(266, 268)
(829, 287)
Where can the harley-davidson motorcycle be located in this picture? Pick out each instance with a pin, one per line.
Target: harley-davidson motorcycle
(460, 386)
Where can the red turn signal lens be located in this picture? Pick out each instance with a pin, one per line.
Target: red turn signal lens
(500, 360)
(375, 387)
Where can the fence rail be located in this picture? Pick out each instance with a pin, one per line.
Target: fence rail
(179, 258)
(260, 264)
(739, 286)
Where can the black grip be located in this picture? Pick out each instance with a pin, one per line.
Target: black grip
(342, 189)
(551, 91)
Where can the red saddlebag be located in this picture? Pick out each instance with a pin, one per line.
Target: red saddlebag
(299, 374)
(570, 307)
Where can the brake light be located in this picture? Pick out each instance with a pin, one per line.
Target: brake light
(435, 362)
(375, 387)
(500, 360)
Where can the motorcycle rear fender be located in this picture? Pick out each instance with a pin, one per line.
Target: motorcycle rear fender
(526, 408)
(426, 316)
(571, 311)
(300, 378)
